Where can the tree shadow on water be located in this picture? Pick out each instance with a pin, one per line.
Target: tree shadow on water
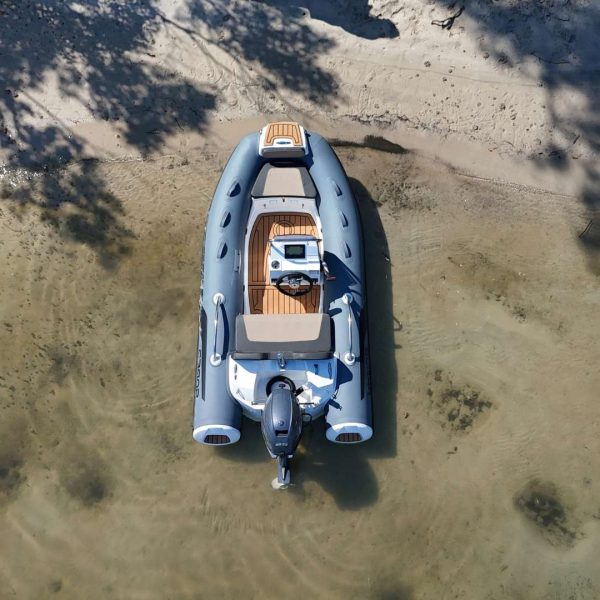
(76, 204)
(556, 43)
(79, 207)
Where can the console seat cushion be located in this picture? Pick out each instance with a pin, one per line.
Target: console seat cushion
(301, 336)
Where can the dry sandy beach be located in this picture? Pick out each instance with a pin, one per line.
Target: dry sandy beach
(473, 152)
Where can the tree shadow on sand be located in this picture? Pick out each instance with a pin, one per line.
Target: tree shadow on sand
(273, 40)
(557, 41)
(92, 50)
(344, 471)
(354, 16)
(100, 56)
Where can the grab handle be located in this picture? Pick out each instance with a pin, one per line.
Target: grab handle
(349, 357)
(216, 358)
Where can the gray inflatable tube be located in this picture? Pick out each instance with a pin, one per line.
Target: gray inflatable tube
(215, 411)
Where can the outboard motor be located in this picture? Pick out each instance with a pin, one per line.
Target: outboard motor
(281, 424)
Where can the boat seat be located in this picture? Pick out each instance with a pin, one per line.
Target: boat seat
(277, 180)
(293, 336)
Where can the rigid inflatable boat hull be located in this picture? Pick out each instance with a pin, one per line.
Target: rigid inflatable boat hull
(348, 413)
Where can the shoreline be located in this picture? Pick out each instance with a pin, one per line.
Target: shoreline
(470, 159)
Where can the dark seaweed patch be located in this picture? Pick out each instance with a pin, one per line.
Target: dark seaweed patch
(459, 407)
(170, 446)
(403, 195)
(519, 312)
(14, 442)
(540, 504)
(499, 281)
(462, 406)
(87, 483)
(11, 477)
(62, 364)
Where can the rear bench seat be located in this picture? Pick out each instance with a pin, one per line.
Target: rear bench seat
(303, 336)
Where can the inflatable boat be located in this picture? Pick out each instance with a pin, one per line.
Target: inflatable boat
(283, 324)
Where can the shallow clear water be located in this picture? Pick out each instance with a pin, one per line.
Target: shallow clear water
(481, 481)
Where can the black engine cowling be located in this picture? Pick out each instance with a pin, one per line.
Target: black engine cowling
(281, 423)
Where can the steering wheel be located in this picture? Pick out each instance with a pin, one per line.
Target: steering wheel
(298, 284)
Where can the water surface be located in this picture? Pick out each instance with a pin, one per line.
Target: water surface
(481, 481)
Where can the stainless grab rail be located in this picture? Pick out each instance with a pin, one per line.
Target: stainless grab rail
(349, 357)
(216, 358)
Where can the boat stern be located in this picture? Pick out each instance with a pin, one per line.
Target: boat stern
(216, 435)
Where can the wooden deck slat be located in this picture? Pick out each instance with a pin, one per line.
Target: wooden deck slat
(269, 300)
(283, 129)
(265, 298)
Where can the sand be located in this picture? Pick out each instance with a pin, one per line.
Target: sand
(483, 263)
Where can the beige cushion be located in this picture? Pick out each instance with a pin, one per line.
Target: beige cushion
(283, 181)
(303, 334)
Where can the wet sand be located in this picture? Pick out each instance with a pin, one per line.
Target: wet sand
(481, 481)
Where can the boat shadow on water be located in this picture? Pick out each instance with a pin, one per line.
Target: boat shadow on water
(343, 471)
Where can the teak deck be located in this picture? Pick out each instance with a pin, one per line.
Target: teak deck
(283, 129)
(266, 298)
